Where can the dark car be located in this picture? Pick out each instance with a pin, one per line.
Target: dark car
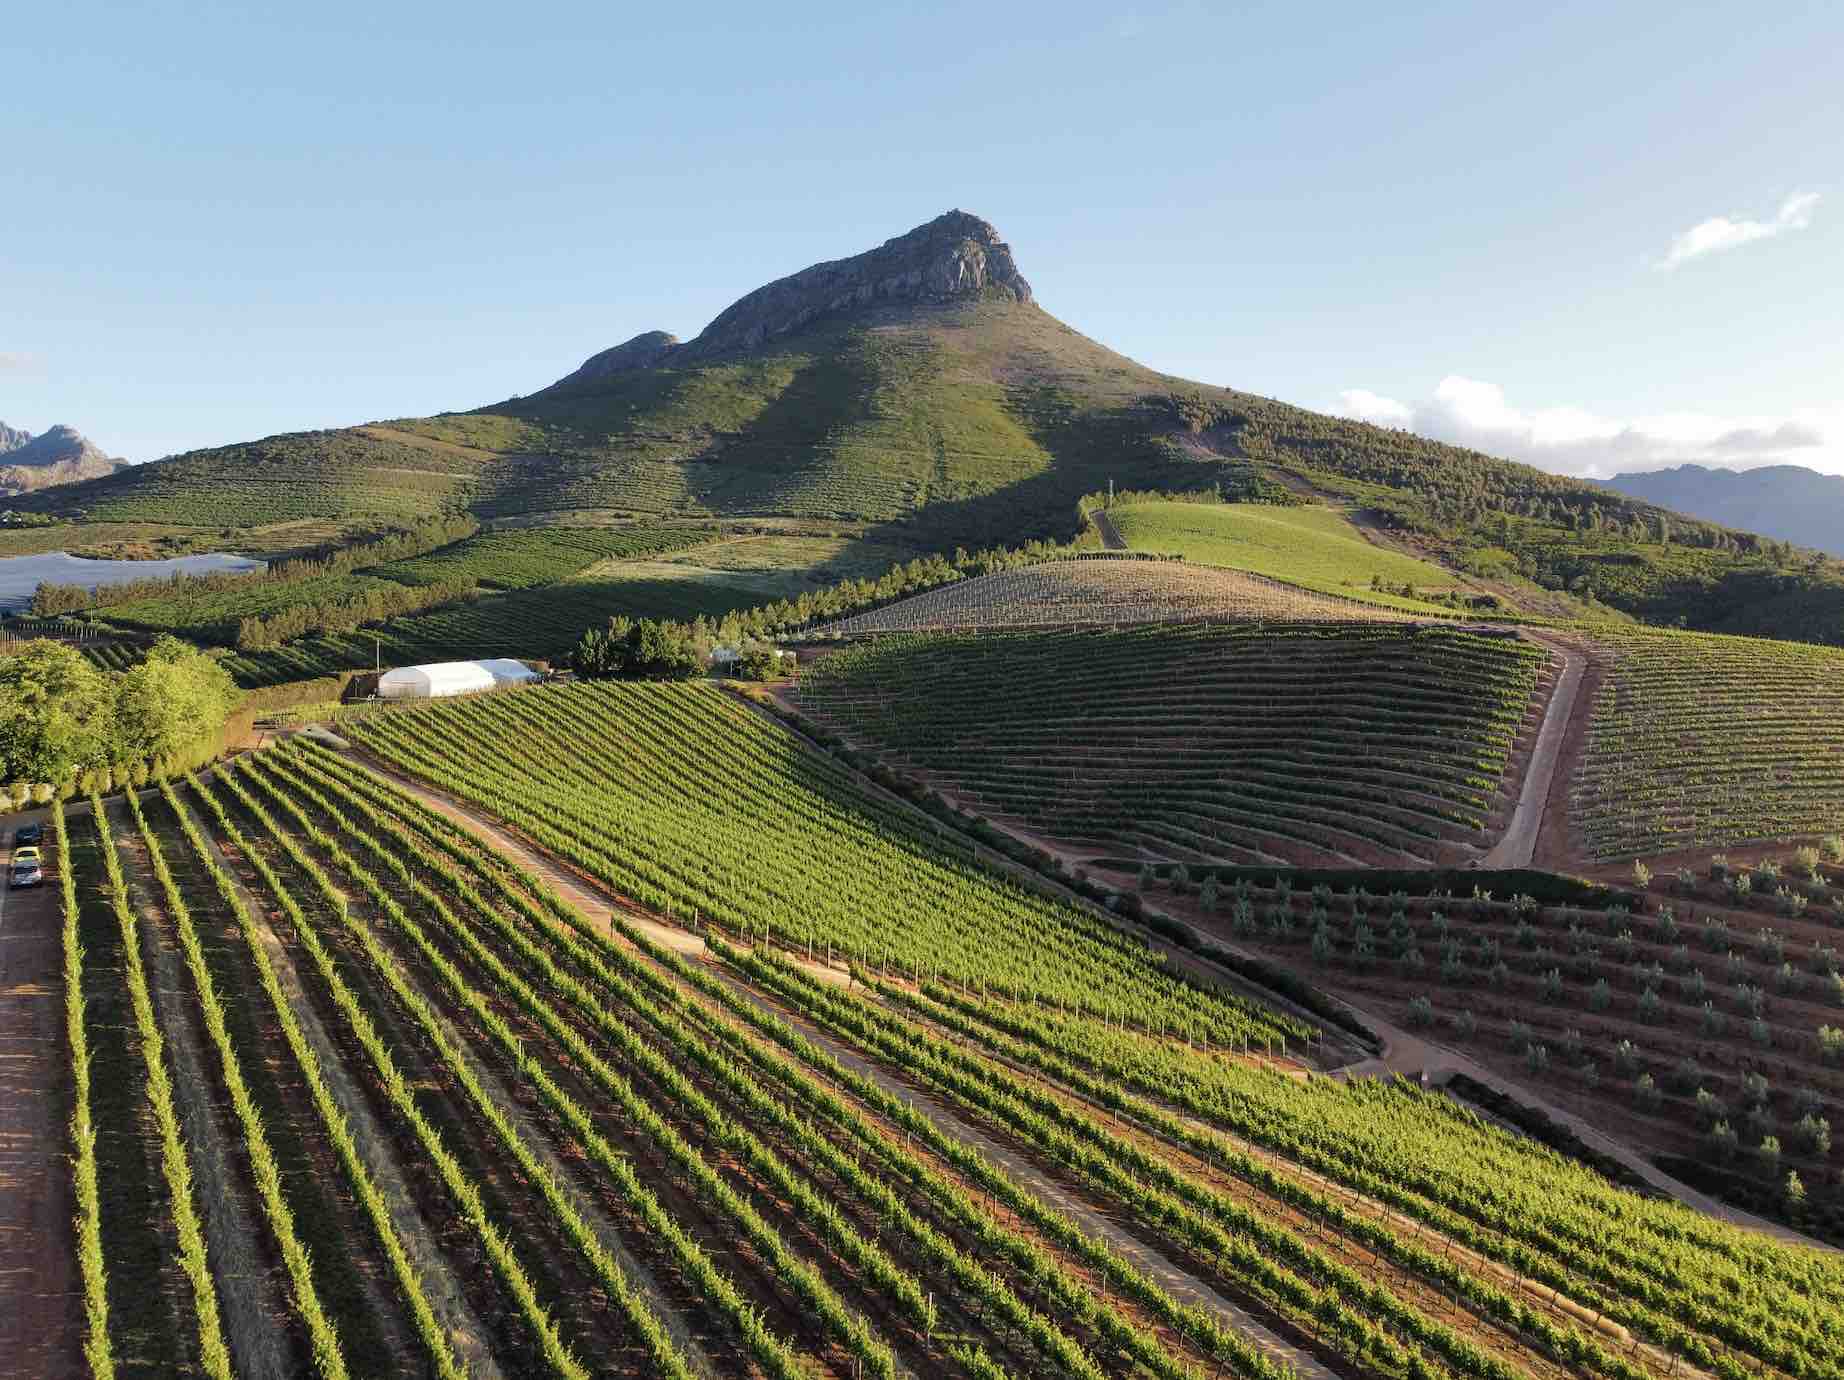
(29, 833)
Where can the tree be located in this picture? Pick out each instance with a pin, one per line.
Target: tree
(172, 701)
(56, 713)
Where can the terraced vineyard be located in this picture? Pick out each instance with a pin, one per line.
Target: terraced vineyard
(1306, 742)
(1700, 741)
(1106, 592)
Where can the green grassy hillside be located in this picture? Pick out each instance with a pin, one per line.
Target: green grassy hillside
(1310, 546)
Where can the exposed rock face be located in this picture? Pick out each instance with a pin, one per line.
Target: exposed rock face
(955, 255)
(642, 352)
(61, 456)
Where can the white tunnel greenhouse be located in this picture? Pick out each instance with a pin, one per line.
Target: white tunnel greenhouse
(453, 678)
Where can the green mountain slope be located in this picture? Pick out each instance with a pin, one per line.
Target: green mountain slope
(920, 387)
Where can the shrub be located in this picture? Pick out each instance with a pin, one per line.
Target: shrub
(1421, 1012)
(1536, 1059)
(1761, 1033)
(1521, 1036)
(1830, 1044)
(1686, 1075)
(1722, 1141)
(1626, 1057)
(1650, 1007)
(1572, 1045)
(1793, 1193)
(1322, 945)
(1711, 1021)
(1642, 875)
(1813, 1135)
(1687, 880)
(1464, 1024)
(1806, 859)
(1833, 848)
(1552, 985)
(1768, 1153)
(1646, 1093)
(1719, 866)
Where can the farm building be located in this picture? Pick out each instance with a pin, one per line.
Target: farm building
(453, 678)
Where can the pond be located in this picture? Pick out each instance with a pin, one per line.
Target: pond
(20, 576)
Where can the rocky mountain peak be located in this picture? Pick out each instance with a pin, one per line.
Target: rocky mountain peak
(59, 455)
(642, 352)
(954, 255)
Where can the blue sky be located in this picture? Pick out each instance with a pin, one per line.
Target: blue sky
(230, 220)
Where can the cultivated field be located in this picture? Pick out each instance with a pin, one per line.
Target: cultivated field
(1308, 742)
(412, 1111)
(1309, 546)
(1691, 1025)
(529, 556)
(1105, 592)
(1702, 741)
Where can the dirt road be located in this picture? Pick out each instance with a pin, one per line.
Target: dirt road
(1110, 534)
(1411, 1055)
(40, 1303)
(1519, 844)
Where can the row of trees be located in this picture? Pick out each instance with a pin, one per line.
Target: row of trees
(60, 716)
(258, 634)
(649, 649)
(399, 544)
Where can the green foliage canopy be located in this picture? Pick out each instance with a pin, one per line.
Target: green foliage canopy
(60, 715)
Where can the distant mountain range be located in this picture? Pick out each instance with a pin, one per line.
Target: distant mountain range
(62, 455)
(1787, 502)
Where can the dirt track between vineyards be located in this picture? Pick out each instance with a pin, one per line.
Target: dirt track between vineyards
(1110, 534)
(1519, 845)
(40, 1298)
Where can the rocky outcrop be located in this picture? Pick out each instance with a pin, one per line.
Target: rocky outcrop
(61, 456)
(642, 352)
(955, 255)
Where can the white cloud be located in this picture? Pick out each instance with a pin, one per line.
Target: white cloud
(1572, 440)
(1720, 233)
